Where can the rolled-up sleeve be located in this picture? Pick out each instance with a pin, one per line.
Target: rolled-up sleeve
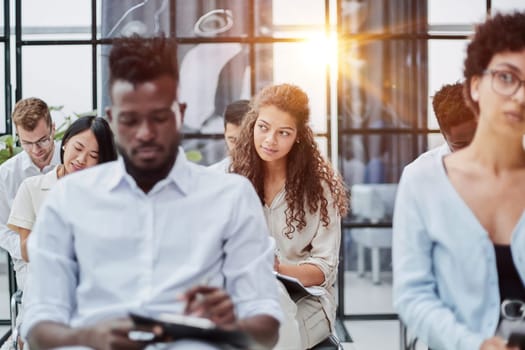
(414, 289)
(53, 271)
(9, 240)
(325, 244)
(22, 212)
(249, 258)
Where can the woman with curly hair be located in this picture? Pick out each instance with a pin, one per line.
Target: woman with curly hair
(459, 220)
(303, 200)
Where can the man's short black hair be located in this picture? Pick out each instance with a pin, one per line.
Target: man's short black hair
(138, 59)
(450, 107)
(236, 111)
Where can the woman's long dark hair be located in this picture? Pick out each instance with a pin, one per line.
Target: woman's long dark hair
(306, 169)
(100, 128)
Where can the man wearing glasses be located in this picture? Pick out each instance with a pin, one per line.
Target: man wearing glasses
(35, 131)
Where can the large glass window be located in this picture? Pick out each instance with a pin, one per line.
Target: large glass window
(370, 85)
(393, 56)
(52, 73)
(229, 50)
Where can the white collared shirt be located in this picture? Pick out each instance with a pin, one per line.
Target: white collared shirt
(223, 165)
(12, 173)
(102, 247)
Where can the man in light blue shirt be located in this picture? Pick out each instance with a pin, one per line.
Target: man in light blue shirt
(149, 232)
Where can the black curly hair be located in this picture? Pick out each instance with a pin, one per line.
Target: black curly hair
(450, 107)
(138, 59)
(502, 32)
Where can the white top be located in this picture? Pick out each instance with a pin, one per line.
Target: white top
(223, 166)
(315, 244)
(102, 247)
(12, 173)
(445, 276)
(27, 202)
(29, 198)
(438, 151)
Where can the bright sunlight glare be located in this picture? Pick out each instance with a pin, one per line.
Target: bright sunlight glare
(321, 49)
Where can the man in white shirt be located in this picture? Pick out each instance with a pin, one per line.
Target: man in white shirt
(149, 232)
(36, 131)
(233, 116)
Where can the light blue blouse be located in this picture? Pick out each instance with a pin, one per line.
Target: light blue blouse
(445, 275)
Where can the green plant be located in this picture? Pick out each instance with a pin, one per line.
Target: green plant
(10, 149)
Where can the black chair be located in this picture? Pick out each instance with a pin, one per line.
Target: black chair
(330, 343)
(16, 300)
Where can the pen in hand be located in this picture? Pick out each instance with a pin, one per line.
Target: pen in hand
(212, 303)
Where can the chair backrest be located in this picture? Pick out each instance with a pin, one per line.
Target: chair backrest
(374, 202)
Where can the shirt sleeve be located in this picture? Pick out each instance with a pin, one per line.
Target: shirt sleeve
(414, 288)
(22, 211)
(249, 257)
(325, 245)
(51, 251)
(9, 240)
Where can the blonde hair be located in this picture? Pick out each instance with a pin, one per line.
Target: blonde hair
(28, 112)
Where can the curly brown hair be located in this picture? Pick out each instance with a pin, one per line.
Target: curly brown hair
(450, 107)
(306, 169)
(503, 32)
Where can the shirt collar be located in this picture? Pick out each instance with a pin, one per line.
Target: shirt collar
(49, 179)
(180, 173)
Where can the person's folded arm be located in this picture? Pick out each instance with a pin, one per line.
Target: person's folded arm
(307, 272)
(9, 240)
(414, 288)
(112, 334)
(24, 236)
(320, 268)
(248, 268)
(22, 216)
(53, 273)
(263, 329)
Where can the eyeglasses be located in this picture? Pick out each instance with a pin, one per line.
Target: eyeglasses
(513, 309)
(44, 142)
(504, 82)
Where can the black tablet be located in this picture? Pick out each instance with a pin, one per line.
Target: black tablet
(178, 327)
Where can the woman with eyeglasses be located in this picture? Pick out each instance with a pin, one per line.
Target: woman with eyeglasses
(87, 142)
(459, 223)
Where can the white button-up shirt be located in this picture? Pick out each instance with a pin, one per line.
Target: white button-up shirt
(102, 247)
(12, 173)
